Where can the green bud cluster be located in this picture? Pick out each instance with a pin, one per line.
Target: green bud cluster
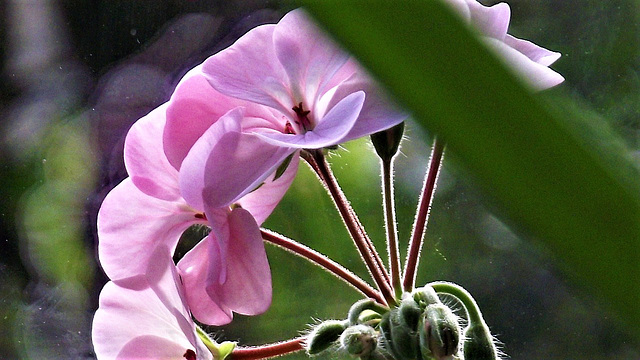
(421, 327)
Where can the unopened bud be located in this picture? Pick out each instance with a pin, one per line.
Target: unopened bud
(369, 317)
(440, 332)
(359, 308)
(387, 142)
(425, 296)
(324, 335)
(478, 344)
(385, 333)
(400, 340)
(409, 312)
(359, 341)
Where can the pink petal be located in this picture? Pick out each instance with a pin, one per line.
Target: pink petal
(194, 267)
(378, 112)
(151, 322)
(534, 52)
(250, 70)
(345, 72)
(331, 129)
(491, 21)
(149, 347)
(192, 171)
(247, 289)
(238, 164)
(536, 75)
(261, 202)
(145, 160)
(131, 224)
(220, 233)
(308, 56)
(193, 108)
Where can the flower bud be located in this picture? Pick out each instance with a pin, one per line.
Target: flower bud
(324, 335)
(369, 317)
(399, 340)
(359, 308)
(425, 296)
(439, 333)
(478, 344)
(409, 313)
(359, 341)
(385, 333)
(387, 142)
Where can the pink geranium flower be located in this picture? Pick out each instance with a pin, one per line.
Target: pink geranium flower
(526, 58)
(296, 90)
(148, 318)
(227, 271)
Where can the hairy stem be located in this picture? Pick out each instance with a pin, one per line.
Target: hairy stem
(471, 307)
(268, 351)
(422, 215)
(365, 247)
(390, 225)
(323, 262)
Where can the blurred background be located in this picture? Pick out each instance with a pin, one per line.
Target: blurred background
(75, 74)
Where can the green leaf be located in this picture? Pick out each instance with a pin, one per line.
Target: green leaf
(553, 174)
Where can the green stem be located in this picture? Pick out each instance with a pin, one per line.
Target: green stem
(473, 311)
(390, 225)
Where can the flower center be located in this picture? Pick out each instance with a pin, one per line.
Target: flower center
(302, 117)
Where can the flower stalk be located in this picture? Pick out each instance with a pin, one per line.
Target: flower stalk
(268, 351)
(324, 262)
(390, 225)
(386, 144)
(365, 247)
(422, 216)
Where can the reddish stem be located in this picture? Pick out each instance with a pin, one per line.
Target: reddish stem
(422, 215)
(322, 166)
(365, 247)
(268, 351)
(324, 262)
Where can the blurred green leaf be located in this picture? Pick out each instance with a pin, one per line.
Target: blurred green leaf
(555, 175)
(54, 211)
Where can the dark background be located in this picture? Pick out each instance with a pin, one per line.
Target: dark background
(77, 74)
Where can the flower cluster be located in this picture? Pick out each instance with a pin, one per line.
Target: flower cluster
(210, 156)
(221, 153)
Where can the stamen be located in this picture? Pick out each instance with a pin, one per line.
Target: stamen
(200, 216)
(190, 355)
(303, 116)
(288, 128)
